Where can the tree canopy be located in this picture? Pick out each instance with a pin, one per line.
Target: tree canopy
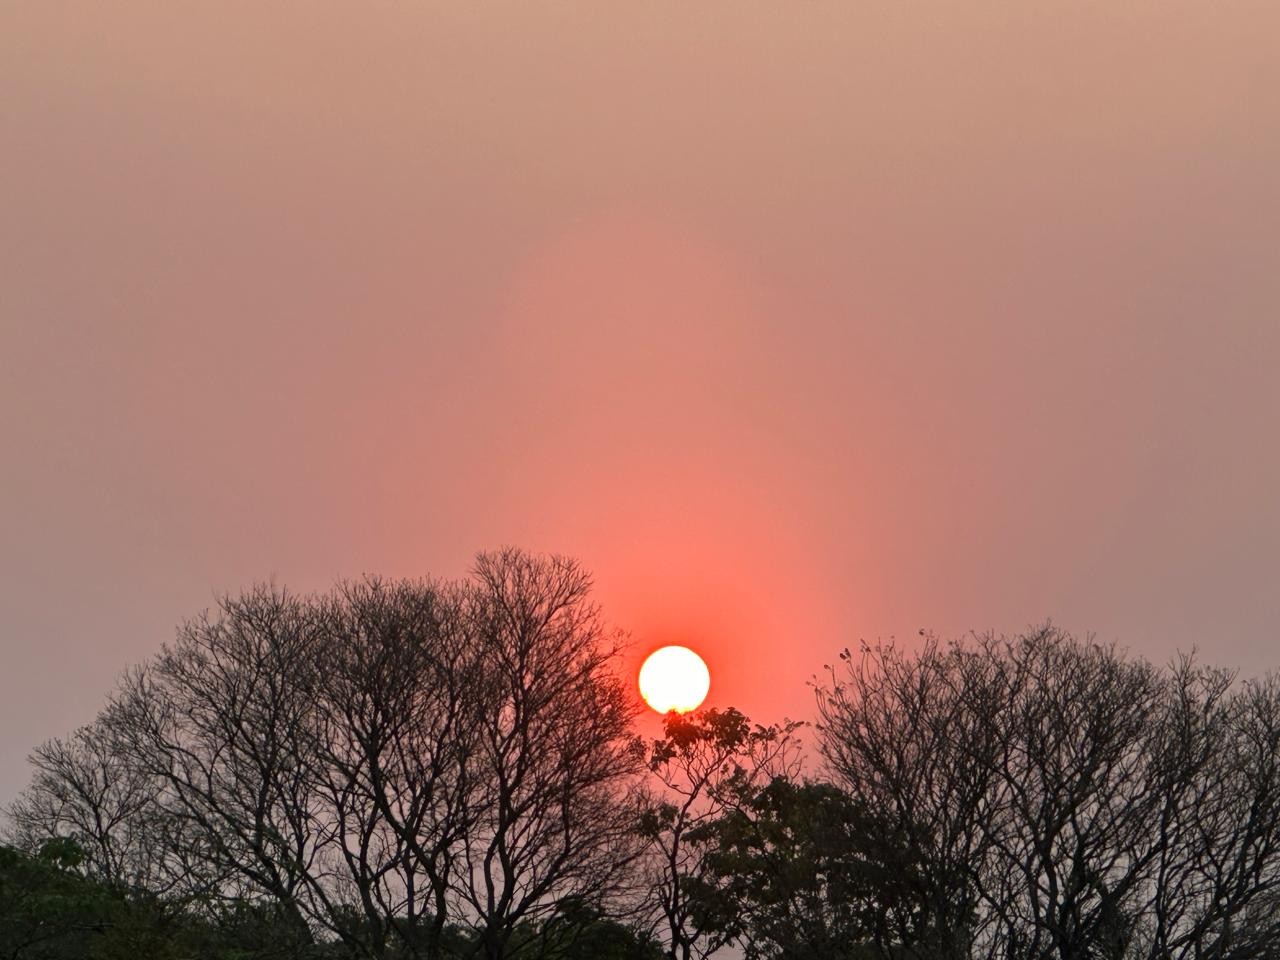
(449, 770)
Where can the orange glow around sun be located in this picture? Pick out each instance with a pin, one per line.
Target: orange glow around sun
(674, 678)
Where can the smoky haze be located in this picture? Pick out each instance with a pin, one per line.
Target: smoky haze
(796, 325)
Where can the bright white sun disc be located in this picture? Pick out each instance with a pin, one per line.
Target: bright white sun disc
(674, 678)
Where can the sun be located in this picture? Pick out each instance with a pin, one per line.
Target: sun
(674, 678)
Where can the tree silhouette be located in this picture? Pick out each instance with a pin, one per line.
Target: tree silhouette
(1071, 802)
(550, 820)
(808, 874)
(710, 762)
(447, 771)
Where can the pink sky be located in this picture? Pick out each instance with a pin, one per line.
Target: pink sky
(796, 323)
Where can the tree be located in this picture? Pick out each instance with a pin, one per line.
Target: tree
(905, 737)
(709, 763)
(1072, 802)
(376, 766)
(398, 710)
(222, 720)
(589, 935)
(52, 909)
(807, 872)
(87, 790)
(47, 909)
(549, 818)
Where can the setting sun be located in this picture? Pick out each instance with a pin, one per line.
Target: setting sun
(674, 678)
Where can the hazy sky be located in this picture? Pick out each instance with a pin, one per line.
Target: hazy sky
(797, 323)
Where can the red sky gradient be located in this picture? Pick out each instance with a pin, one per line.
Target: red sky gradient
(796, 324)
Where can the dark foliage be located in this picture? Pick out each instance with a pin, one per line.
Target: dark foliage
(805, 873)
(708, 765)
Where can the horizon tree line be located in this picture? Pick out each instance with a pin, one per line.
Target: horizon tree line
(434, 769)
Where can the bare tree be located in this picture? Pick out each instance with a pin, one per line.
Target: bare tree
(550, 828)
(86, 789)
(398, 720)
(908, 737)
(373, 763)
(221, 719)
(1215, 886)
(1077, 803)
